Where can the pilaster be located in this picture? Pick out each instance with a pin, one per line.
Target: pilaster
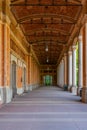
(5, 62)
(84, 89)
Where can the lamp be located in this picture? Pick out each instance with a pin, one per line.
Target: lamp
(47, 60)
(46, 49)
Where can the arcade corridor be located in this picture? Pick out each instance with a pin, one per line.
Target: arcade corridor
(45, 108)
(43, 43)
(38, 46)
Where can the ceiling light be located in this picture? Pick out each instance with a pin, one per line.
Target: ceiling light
(46, 49)
(47, 60)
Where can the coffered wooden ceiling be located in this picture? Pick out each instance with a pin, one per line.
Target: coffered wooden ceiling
(47, 25)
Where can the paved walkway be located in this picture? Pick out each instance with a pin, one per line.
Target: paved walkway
(46, 108)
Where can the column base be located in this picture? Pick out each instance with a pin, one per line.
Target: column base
(69, 88)
(65, 87)
(6, 94)
(20, 91)
(27, 88)
(74, 90)
(3, 94)
(30, 88)
(33, 86)
(84, 95)
(78, 90)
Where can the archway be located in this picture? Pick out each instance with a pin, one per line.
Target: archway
(24, 79)
(13, 79)
(48, 80)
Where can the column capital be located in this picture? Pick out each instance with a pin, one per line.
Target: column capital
(85, 19)
(62, 60)
(73, 47)
(80, 38)
(69, 52)
(75, 41)
(65, 54)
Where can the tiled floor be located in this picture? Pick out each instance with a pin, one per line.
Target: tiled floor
(46, 108)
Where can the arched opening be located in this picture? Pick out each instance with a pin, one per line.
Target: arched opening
(13, 79)
(48, 80)
(24, 79)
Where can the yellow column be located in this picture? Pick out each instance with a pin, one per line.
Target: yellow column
(6, 55)
(1, 57)
(31, 73)
(27, 72)
(2, 88)
(5, 62)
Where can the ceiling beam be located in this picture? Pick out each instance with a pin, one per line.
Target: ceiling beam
(47, 23)
(46, 35)
(46, 40)
(53, 1)
(49, 29)
(45, 5)
(41, 32)
(43, 16)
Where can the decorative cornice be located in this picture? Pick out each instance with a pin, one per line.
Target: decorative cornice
(5, 18)
(17, 56)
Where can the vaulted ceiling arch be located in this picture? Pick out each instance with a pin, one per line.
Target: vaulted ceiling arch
(48, 41)
(62, 32)
(38, 2)
(47, 22)
(30, 18)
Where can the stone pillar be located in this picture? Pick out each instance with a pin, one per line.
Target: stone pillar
(65, 69)
(74, 70)
(27, 73)
(5, 89)
(69, 70)
(84, 89)
(31, 76)
(5, 63)
(58, 75)
(62, 73)
(2, 88)
(80, 77)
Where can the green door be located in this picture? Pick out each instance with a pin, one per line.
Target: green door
(48, 80)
